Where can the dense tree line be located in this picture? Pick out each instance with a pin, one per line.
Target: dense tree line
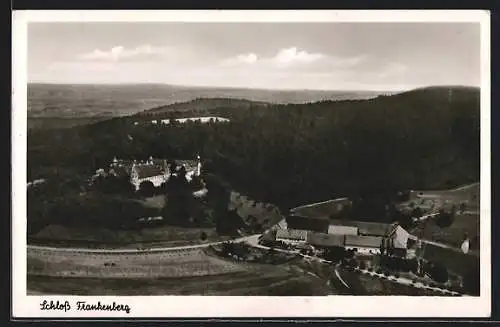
(82, 210)
(294, 154)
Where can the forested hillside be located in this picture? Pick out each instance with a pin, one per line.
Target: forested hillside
(298, 153)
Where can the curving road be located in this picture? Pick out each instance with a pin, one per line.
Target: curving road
(249, 239)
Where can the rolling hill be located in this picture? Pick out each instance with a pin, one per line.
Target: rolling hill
(83, 101)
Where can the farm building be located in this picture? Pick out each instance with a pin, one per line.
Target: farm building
(342, 230)
(363, 244)
(398, 242)
(325, 240)
(365, 228)
(317, 224)
(400, 237)
(291, 235)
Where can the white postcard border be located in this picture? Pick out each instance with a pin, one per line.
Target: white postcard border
(240, 306)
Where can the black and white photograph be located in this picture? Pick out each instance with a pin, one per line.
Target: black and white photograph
(336, 156)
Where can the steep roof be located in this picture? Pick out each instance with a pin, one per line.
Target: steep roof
(323, 239)
(342, 230)
(189, 164)
(363, 241)
(145, 171)
(400, 237)
(293, 234)
(364, 227)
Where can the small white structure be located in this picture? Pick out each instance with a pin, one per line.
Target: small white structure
(202, 120)
(150, 219)
(200, 193)
(465, 246)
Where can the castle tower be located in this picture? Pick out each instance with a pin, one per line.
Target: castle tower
(166, 171)
(133, 174)
(198, 169)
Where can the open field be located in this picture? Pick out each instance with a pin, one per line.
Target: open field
(330, 208)
(166, 236)
(454, 234)
(469, 193)
(178, 263)
(463, 223)
(455, 261)
(182, 277)
(58, 122)
(156, 202)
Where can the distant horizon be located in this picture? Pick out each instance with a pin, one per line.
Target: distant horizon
(256, 88)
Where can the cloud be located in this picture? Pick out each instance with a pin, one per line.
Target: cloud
(119, 52)
(292, 55)
(248, 58)
(242, 59)
(292, 58)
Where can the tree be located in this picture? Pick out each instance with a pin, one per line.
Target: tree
(335, 254)
(437, 272)
(147, 188)
(196, 183)
(471, 279)
(178, 209)
(444, 219)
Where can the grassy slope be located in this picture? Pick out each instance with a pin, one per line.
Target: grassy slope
(261, 280)
(166, 236)
(469, 222)
(361, 284)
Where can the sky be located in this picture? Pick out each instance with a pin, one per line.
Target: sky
(320, 56)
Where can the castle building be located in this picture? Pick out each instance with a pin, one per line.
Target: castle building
(157, 171)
